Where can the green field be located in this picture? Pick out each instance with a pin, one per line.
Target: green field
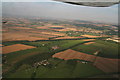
(105, 48)
(47, 48)
(59, 69)
(30, 56)
(20, 63)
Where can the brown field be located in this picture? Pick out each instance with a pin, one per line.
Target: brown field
(44, 34)
(42, 27)
(21, 28)
(22, 36)
(30, 34)
(67, 37)
(105, 64)
(55, 26)
(88, 39)
(70, 29)
(89, 43)
(29, 39)
(90, 36)
(15, 47)
(48, 26)
(71, 54)
(54, 33)
(1, 45)
(66, 29)
(3, 30)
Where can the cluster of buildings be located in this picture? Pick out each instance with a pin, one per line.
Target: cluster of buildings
(44, 63)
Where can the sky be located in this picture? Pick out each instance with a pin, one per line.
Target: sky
(59, 10)
(51, 0)
(27, 1)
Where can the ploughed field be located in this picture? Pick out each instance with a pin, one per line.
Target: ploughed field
(60, 58)
(15, 47)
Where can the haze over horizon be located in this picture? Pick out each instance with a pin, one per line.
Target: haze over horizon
(61, 10)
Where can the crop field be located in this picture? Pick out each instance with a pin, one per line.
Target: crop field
(88, 39)
(15, 47)
(43, 51)
(22, 61)
(53, 33)
(67, 29)
(42, 28)
(107, 65)
(57, 26)
(41, 48)
(71, 54)
(105, 49)
(21, 28)
(58, 69)
(90, 36)
(62, 44)
(29, 33)
(67, 37)
(21, 36)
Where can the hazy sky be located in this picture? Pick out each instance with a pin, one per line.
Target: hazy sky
(27, 1)
(61, 10)
(52, 0)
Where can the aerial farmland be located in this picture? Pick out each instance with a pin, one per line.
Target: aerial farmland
(40, 51)
(53, 47)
